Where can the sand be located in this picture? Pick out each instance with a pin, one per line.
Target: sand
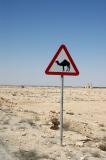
(26, 117)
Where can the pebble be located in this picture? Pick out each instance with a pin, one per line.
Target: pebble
(79, 144)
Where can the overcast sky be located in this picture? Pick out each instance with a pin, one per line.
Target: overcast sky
(31, 31)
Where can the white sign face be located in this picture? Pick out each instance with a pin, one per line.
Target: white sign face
(62, 63)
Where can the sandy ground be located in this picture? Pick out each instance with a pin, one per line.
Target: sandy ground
(26, 116)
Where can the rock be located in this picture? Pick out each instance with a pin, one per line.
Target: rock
(79, 144)
(24, 134)
(71, 113)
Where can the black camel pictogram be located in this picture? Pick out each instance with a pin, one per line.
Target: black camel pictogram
(63, 64)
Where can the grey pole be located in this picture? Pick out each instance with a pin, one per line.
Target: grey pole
(61, 111)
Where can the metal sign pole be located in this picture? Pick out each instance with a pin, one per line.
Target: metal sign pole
(61, 111)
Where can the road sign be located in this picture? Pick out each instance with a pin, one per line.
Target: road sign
(62, 63)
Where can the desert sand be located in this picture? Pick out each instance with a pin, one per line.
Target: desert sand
(26, 123)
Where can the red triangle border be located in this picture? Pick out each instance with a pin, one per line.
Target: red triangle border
(76, 73)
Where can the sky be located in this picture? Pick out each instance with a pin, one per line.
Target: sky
(31, 31)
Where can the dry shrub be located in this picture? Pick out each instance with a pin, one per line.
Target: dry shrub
(22, 86)
(96, 154)
(30, 121)
(6, 122)
(55, 124)
(103, 129)
(102, 146)
(29, 155)
(14, 94)
(54, 120)
(101, 125)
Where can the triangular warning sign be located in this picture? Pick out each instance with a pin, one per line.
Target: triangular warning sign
(62, 63)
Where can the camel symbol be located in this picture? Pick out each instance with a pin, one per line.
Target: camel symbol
(63, 64)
